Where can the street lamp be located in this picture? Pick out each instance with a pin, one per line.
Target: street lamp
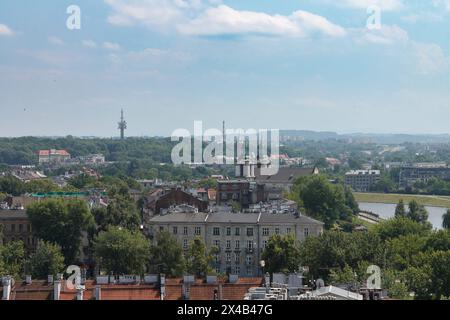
(262, 263)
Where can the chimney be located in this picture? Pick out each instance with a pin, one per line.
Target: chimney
(80, 294)
(98, 293)
(50, 279)
(7, 284)
(163, 286)
(28, 280)
(57, 290)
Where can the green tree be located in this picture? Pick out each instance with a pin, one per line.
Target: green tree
(166, 256)
(400, 209)
(121, 212)
(12, 259)
(396, 227)
(47, 259)
(199, 259)
(61, 222)
(343, 276)
(446, 220)
(281, 254)
(417, 212)
(121, 251)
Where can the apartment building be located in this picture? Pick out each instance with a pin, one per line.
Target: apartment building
(362, 180)
(16, 226)
(239, 237)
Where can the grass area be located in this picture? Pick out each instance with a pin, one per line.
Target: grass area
(361, 222)
(434, 201)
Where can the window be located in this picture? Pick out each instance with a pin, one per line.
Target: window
(228, 257)
(161, 229)
(249, 271)
(237, 244)
(217, 244)
(306, 231)
(249, 232)
(198, 231)
(185, 244)
(265, 231)
(265, 244)
(185, 231)
(217, 258)
(250, 245)
(237, 232)
(277, 230)
(228, 244)
(237, 258)
(249, 260)
(20, 227)
(29, 227)
(13, 227)
(217, 270)
(288, 230)
(216, 231)
(175, 230)
(228, 231)
(237, 270)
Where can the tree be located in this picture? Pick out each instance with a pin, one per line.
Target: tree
(199, 259)
(166, 256)
(61, 222)
(417, 212)
(121, 251)
(12, 258)
(343, 276)
(397, 227)
(121, 212)
(446, 220)
(47, 260)
(322, 200)
(400, 209)
(281, 254)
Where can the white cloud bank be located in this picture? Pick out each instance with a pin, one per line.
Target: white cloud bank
(199, 18)
(5, 31)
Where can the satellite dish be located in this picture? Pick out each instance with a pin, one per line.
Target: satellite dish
(320, 283)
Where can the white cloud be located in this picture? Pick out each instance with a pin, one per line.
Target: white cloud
(387, 5)
(111, 46)
(56, 41)
(385, 35)
(89, 44)
(203, 18)
(5, 31)
(430, 58)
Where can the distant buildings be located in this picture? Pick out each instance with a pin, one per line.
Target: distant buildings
(362, 180)
(17, 227)
(239, 237)
(422, 172)
(53, 156)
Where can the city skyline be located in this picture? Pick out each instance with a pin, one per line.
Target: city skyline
(305, 65)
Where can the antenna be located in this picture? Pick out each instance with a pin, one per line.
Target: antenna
(122, 125)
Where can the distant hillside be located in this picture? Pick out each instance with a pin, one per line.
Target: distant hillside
(365, 137)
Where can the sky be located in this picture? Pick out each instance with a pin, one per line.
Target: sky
(323, 65)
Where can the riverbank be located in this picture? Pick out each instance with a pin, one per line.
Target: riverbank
(434, 201)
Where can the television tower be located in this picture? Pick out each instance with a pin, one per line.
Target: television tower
(122, 126)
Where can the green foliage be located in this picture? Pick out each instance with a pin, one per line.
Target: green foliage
(47, 260)
(61, 222)
(400, 209)
(397, 227)
(121, 251)
(12, 258)
(417, 212)
(166, 256)
(281, 254)
(323, 200)
(446, 220)
(121, 211)
(199, 259)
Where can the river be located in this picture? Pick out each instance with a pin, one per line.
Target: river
(387, 210)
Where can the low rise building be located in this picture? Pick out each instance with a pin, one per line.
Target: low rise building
(362, 180)
(239, 237)
(53, 156)
(16, 226)
(409, 175)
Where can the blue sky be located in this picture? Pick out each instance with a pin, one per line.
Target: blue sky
(287, 64)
